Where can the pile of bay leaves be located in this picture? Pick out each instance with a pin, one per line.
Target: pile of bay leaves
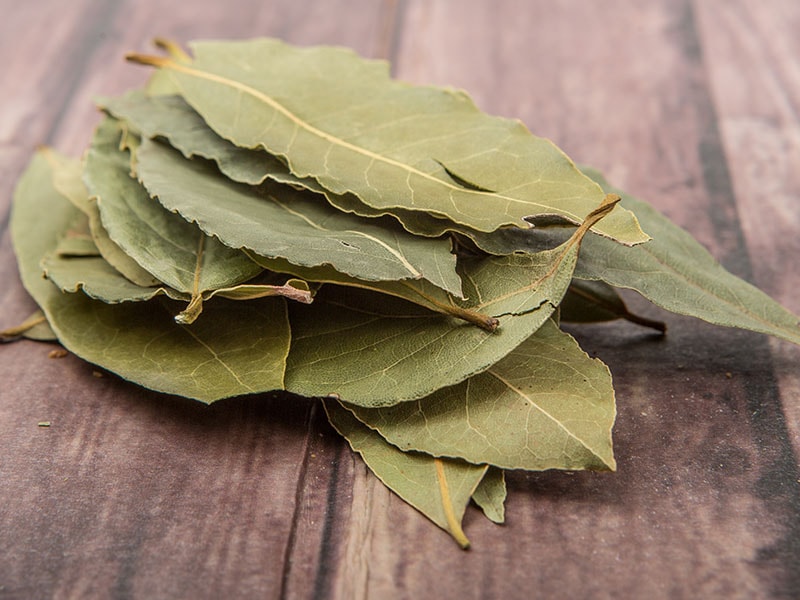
(264, 217)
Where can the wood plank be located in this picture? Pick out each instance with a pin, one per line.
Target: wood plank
(131, 493)
(751, 51)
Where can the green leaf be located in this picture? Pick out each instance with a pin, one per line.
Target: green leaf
(439, 488)
(675, 272)
(68, 181)
(159, 83)
(340, 119)
(171, 118)
(240, 348)
(99, 280)
(369, 349)
(490, 495)
(67, 178)
(175, 251)
(279, 222)
(546, 405)
(495, 286)
(76, 245)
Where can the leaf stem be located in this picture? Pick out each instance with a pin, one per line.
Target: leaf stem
(195, 307)
(622, 313)
(29, 323)
(486, 322)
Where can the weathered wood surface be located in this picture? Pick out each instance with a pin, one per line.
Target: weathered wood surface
(692, 105)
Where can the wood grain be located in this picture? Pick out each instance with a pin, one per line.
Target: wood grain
(690, 105)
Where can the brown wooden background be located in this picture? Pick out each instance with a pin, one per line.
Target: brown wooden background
(693, 105)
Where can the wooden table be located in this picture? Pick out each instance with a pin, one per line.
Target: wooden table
(693, 105)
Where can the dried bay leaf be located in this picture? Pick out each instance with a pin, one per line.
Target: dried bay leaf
(279, 222)
(438, 488)
(171, 118)
(369, 348)
(68, 180)
(73, 245)
(241, 348)
(494, 286)
(677, 273)
(158, 83)
(546, 405)
(98, 280)
(175, 251)
(490, 495)
(415, 291)
(391, 144)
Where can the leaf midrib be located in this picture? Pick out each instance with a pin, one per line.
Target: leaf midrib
(534, 405)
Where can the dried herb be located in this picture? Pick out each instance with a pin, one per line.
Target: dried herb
(261, 217)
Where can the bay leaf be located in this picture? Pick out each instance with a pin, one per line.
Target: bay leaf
(589, 301)
(279, 222)
(677, 273)
(439, 488)
(98, 280)
(495, 286)
(241, 348)
(159, 83)
(68, 181)
(67, 178)
(378, 349)
(490, 495)
(173, 250)
(546, 405)
(170, 117)
(393, 145)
